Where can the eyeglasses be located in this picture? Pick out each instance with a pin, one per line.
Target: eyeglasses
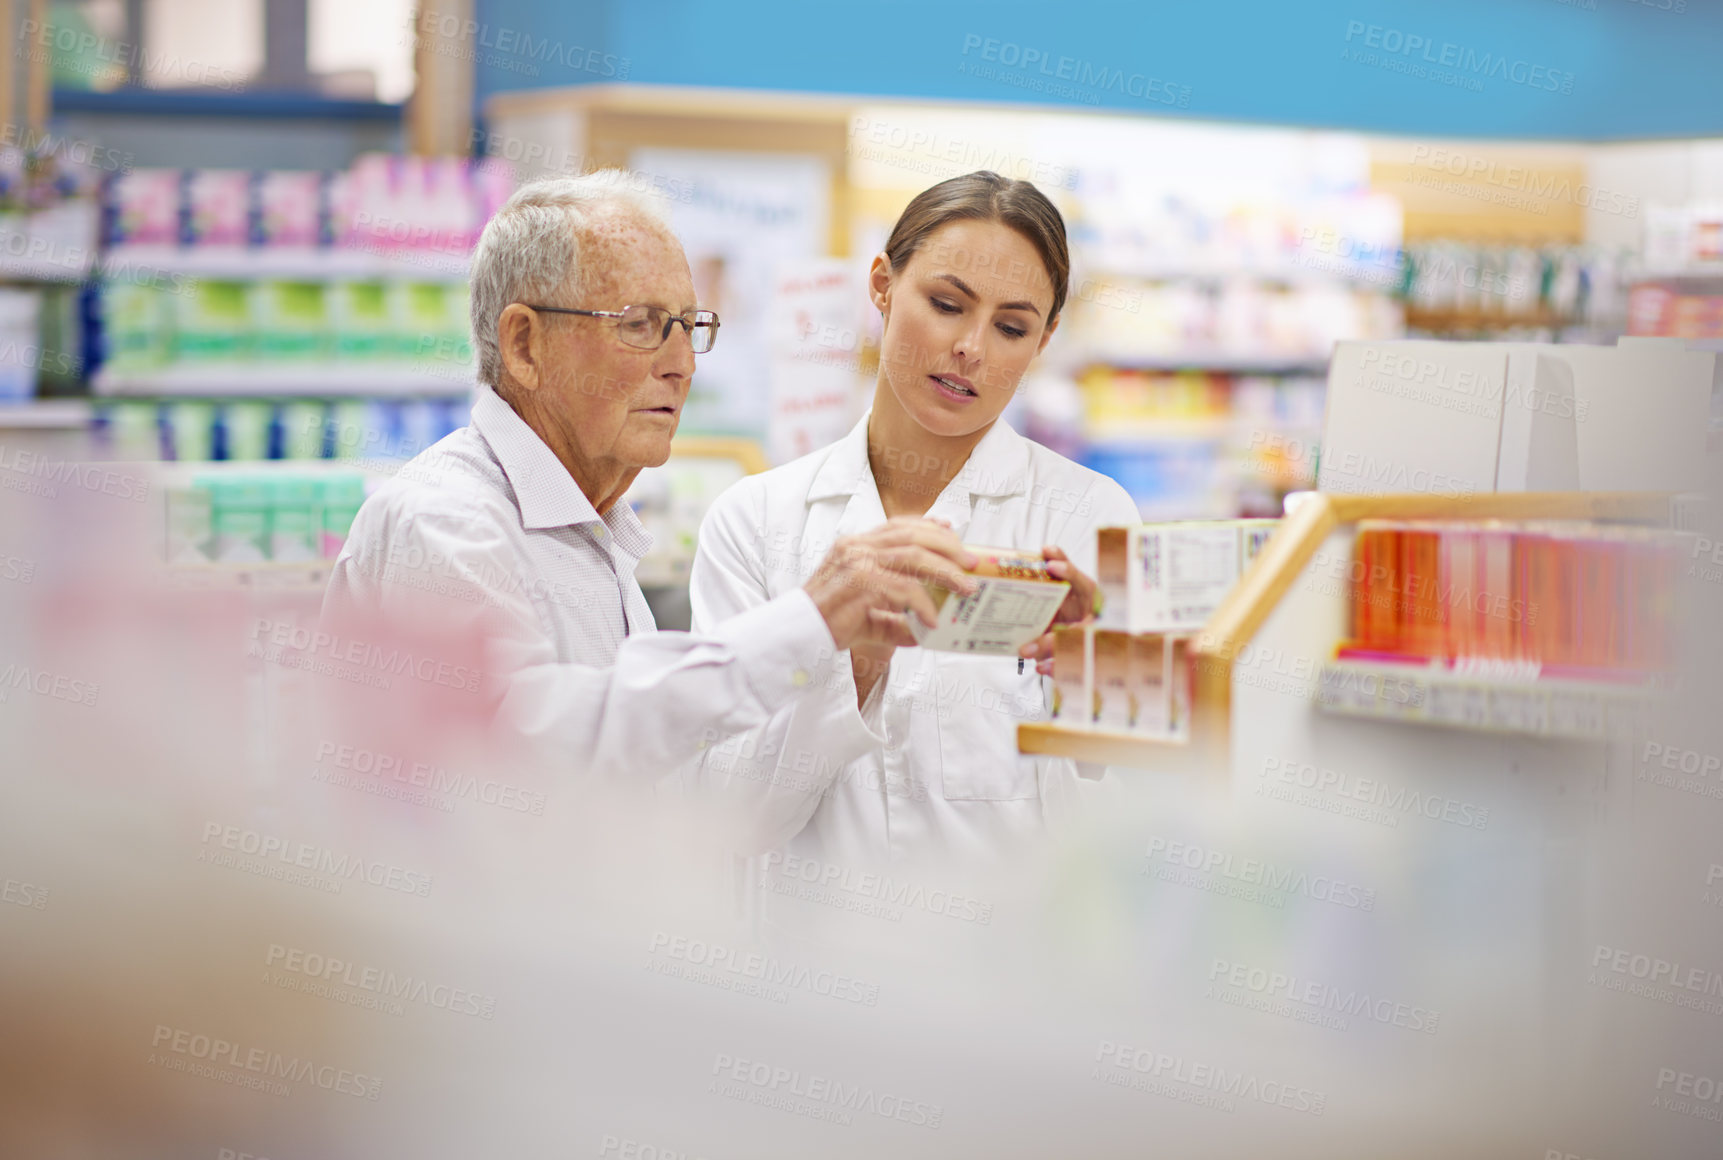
(648, 327)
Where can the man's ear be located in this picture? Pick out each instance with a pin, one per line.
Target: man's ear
(520, 340)
(879, 283)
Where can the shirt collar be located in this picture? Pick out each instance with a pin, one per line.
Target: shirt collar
(546, 493)
(999, 465)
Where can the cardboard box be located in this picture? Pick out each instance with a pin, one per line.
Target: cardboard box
(1171, 577)
(1073, 674)
(1014, 602)
(1151, 658)
(1179, 684)
(1115, 704)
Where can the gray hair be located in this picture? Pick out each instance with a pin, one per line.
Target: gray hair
(531, 248)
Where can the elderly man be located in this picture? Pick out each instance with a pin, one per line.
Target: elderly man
(585, 325)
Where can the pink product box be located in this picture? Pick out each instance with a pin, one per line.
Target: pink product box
(144, 207)
(290, 208)
(219, 207)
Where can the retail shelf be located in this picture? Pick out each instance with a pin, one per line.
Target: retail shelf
(1100, 746)
(283, 262)
(1207, 743)
(1418, 318)
(1712, 273)
(226, 104)
(1109, 432)
(13, 269)
(45, 414)
(1426, 695)
(278, 379)
(1218, 359)
(1261, 268)
(309, 576)
(1307, 526)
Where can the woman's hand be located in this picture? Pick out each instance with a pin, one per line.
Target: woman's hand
(1078, 607)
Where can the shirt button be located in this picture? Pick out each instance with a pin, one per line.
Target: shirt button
(799, 678)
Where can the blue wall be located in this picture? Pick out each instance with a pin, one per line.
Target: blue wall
(1584, 70)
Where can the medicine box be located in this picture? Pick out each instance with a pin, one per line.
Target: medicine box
(1171, 577)
(1014, 602)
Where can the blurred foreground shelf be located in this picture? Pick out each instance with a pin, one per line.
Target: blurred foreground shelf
(261, 576)
(309, 576)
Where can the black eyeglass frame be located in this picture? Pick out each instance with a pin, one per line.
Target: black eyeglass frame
(705, 319)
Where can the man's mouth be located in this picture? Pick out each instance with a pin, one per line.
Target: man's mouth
(956, 384)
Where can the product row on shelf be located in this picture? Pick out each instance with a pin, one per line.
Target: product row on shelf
(160, 330)
(251, 429)
(1451, 285)
(199, 281)
(235, 519)
(1293, 219)
(1674, 311)
(1186, 444)
(1683, 238)
(1569, 600)
(1129, 671)
(1544, 628)
(384, 203)
(1244, 322)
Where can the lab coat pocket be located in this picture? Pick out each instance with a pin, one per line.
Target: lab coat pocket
(980, 702)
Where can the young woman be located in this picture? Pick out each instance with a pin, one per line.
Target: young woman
(901, 752)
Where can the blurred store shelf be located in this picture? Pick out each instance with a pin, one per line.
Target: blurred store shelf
(43, 414)
(281, 262)
(277, 379)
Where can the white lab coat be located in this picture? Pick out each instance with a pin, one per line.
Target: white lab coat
(931, 770)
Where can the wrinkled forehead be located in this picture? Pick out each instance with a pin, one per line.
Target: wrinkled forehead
(624, 252)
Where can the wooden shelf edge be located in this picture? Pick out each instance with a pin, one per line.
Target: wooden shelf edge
(1101, 746)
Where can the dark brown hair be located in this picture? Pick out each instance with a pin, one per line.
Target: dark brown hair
(986, 196)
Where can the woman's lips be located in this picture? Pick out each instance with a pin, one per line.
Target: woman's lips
(954, 387)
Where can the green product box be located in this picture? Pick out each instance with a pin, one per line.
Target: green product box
(188, 525)
(137, 324)
(239, 517)
(303, 422)
(212, 320)
(432, 324)
(134, 431)
(340, 497)
(248, 428)
(290, 319)
(359, 317)
(295, 519)
(191, 427)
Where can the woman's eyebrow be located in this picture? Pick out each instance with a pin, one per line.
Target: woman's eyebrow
(1020, 304)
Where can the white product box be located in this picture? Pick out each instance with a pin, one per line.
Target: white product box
(1014, 602)
(1171, 577)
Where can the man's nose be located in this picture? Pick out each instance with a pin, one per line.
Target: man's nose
(676, 356)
